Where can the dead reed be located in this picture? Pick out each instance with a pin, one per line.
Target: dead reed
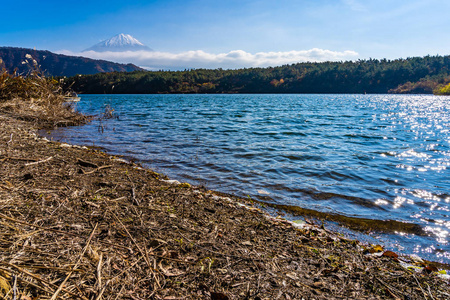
(34, 97)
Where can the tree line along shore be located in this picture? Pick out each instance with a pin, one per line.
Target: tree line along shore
(76, 223)
(417, 75)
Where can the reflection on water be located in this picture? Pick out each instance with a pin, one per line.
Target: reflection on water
(380, 157)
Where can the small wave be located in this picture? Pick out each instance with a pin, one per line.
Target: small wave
(293, 133)
(359, 224)
(303, 157)
(265, 133)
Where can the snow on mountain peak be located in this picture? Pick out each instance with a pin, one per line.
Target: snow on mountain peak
(120, 42)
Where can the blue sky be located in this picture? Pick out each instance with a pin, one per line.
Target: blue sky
(185, 33)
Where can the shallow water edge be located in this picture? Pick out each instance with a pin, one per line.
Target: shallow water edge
(374, 157)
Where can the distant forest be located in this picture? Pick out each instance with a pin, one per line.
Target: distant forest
(417, 75)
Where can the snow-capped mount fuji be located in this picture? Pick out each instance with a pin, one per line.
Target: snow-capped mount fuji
(119, 43)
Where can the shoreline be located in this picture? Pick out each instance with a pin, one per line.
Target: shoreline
(92, 226)
(232, 153)
(359, 225)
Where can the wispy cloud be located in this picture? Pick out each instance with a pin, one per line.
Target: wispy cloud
(355, 5)
(154, 60)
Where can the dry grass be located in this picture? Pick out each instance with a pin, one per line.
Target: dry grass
(33, 97)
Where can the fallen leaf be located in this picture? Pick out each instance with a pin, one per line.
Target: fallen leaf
(374, 249)
(10, 185)
(93, 254)
(4, 286)
(390, 254)
(429, 269)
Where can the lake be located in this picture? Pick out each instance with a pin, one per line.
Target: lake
(380, 157)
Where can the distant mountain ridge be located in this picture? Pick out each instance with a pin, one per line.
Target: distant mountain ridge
(53, 64)
(119, 43)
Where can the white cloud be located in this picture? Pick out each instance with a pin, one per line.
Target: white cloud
(355, 5)
(154, 60)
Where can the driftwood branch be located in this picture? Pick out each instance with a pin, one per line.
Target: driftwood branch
(85, 163)
(38, 162)
(99, 168)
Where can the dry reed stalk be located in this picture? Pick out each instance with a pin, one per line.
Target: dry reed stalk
(134, 241)
(60, 288)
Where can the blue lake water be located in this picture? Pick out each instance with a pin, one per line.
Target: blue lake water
(383, 157)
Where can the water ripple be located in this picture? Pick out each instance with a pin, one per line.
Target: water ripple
(380, 157)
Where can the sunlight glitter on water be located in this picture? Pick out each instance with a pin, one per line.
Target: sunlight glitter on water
(370, 156)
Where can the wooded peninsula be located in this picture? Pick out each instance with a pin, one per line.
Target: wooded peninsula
(416, 75)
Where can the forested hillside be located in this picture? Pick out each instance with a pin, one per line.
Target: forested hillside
(411, 75)
(53, 64)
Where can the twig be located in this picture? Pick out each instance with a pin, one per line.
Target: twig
(118, 199)
(225, 254)
(53, 268)
(59, 231)
(134, 241)
(102, 291)
(38, 162)
(121, 273)
(99, 272)
(86, 163)
(120, 292)
(389, 289)
(418, 283)
(92, 204)
(18, 158)
(133, 194)
(15, 287)
(55, 295)
(99, 168)
(429, 291)
(37, 278)
(34, 285)
(133, 191)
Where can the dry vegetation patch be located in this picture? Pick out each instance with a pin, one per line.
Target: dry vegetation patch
(38, 99)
